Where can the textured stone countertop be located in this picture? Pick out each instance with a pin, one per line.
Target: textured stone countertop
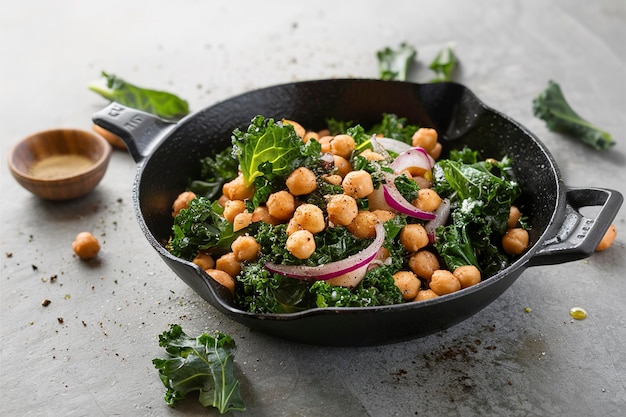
(523, 355)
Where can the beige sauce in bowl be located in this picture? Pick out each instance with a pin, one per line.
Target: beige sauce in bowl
(60, 166)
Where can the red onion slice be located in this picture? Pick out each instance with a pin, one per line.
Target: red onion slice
(332, 269)
(396, 201)
(392, 145)
(416, 157)
(442, 213)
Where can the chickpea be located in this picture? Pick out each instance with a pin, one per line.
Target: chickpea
(310, 135)
(242, 220)
(301, 181)
(334, 179)
(424, 263)
(301, 244)
(325, 142)
(324, 132)
(281, 205)
(233, 208)
(222, 200)
(435, 152)
(424, 295)
(308, 217)
(383, 215)
(370, 155)
(427, 199)
(364, 225)
(229, 264)
(408, 283)
(342, 145)
(515, 241)
(467, 275)
(342, 165)
(237, 189)
(223, 278)
(204, 260)
(86, 245)
(341, 209)
(608, 238)
(182, 202)
(425, 138)
(358, 184)
(413, 237)
(444, 282)
(262, 214)
(300, 131)
(246, 248)
(514, 216)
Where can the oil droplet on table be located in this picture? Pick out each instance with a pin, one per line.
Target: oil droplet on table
(578, 313)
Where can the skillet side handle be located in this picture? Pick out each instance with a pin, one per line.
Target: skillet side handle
(579, 235)
(139, 130)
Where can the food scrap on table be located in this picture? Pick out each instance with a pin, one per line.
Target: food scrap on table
(86, 246)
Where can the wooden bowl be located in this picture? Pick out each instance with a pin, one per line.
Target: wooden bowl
(60, 164)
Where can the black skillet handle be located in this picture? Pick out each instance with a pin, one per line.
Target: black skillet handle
(579, 235)
(139, 130)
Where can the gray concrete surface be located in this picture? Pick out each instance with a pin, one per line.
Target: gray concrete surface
(97, 362)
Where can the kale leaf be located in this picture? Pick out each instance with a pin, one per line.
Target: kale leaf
(394, 64)
(267, 144)
(204, 364)
(260, 291)
(215, 172)
(407, 187)
(377, 287)
(444, 64)
(159, 103)
(268, 152)
(200, 226)
(481, 194)
(394, 127)
(550, 106)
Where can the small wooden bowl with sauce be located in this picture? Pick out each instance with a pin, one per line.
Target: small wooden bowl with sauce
(60, 164)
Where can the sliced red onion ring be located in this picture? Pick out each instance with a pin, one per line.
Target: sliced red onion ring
(332, 269)
(416, 157)
(397, 202)
(392, 145)
(442, 213)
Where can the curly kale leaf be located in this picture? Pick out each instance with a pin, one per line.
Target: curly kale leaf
(377, 287)
(214, 173)
(394, 64)
(200, 226)
(268, 152)
(444, 64)
(407, 187)
(336, 127)
(395, 127)
(204, 364)
(550, 106)
(159, 103)
(481, 194)
(268, 144)
(260, 291)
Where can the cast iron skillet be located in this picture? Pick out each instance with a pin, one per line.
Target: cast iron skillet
(168, 157)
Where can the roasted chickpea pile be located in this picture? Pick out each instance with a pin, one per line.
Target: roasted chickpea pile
(424, 277)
